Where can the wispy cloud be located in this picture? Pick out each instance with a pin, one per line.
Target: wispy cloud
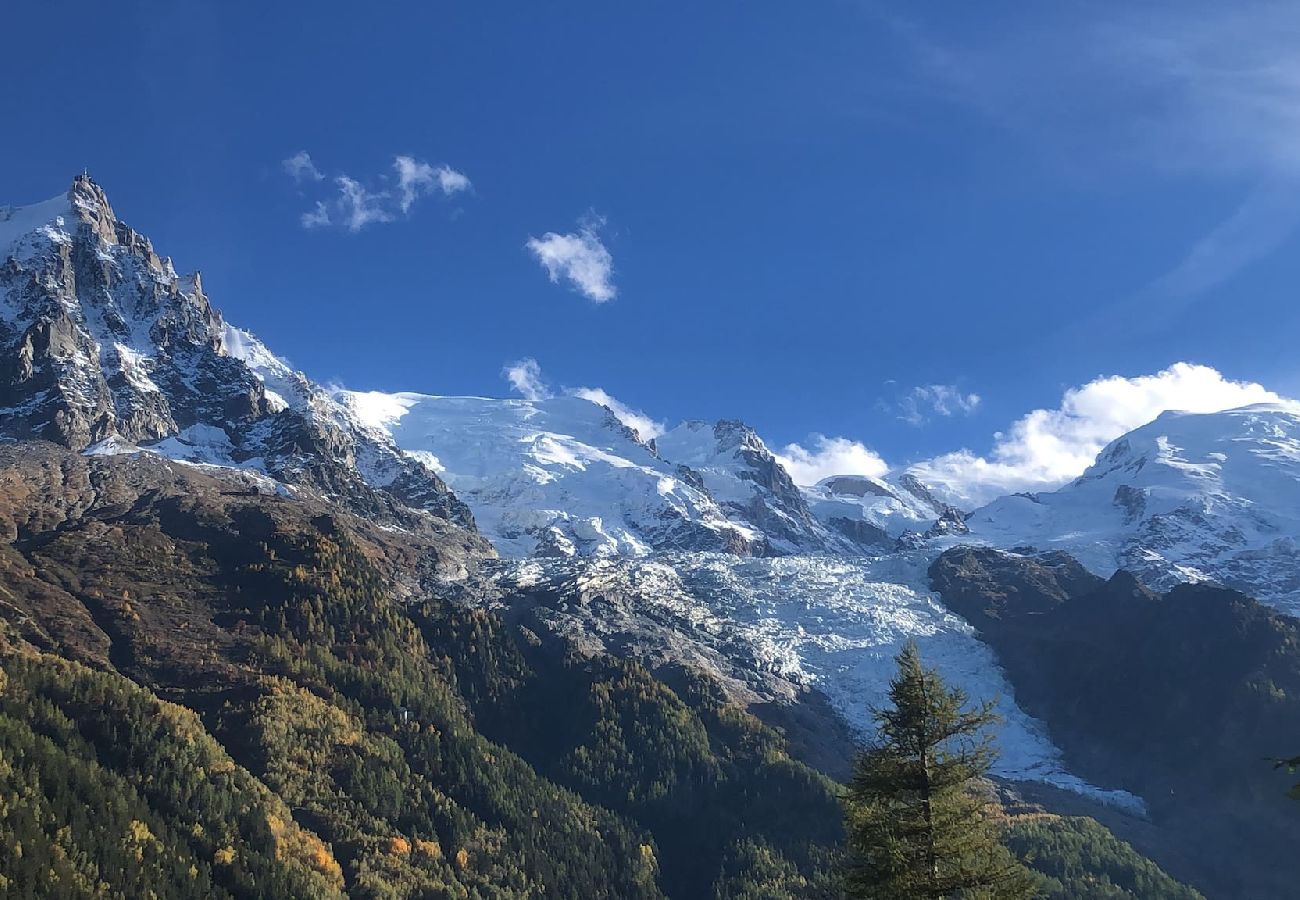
(828, 456)
(1198, 87)
(642, 424)
(355, 205)
(1263, 221)
(299, 167)
(415, 178)
(1047, 447)
(1200, 90)
(579, 258)
(923, 402)
(525, 377)
(360, 207)
(317, 217)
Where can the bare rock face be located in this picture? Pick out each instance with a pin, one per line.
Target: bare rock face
(730, 461)
(103, 347)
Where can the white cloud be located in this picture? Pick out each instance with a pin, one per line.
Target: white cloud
(525, 377)
(926, 400)
(299, 167)
(579, 258)
(415, 178)
(318, 217)
(357, 205)
(1047, 447)
(644, 426)
(360, 207)
(830, 456)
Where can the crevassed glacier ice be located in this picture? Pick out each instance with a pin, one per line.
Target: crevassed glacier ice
(840, 623)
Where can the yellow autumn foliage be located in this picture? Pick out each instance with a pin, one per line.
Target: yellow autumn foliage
(431, 849)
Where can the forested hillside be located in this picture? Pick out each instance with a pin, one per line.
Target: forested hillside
(1182, 697)
(209, 690)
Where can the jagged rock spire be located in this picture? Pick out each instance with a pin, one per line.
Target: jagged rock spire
(101, 341)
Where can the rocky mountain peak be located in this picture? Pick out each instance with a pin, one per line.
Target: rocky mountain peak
(733, 434)
(104, 348)
(92, 208)
(750, 484)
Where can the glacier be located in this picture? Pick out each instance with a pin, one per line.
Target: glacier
(818, 622)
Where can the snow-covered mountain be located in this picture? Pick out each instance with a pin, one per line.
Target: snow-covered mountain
(1187, 497)
(696, 546)
(749, 482)
(882, 514)
(555, 477)
(564, 476)
(104, 347)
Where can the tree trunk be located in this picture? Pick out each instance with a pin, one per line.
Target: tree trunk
(927, 810)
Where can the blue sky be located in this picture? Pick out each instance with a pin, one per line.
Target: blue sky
(846, 219)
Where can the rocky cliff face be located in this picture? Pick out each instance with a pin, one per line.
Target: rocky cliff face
(105, 348)
(751, 486)
(102, 339)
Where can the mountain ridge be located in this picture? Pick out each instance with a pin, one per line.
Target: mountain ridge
(105, 348)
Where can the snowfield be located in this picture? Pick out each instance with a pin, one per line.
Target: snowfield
(1187, 497)
(559, 476)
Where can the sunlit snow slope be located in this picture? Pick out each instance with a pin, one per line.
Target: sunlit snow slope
(554, 477)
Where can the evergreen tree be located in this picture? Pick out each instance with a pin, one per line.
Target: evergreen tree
(917, 825)
(1291, 765)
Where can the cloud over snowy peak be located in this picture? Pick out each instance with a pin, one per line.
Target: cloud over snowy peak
(644, 426)
(354, 205)
(578, 258)
(1046, 448)
(526, 379)
(1042, 450)
(827, 456)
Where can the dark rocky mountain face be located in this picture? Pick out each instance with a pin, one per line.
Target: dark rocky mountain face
(1179, 697)
(100, 340)
(778, 507)
(81, 302)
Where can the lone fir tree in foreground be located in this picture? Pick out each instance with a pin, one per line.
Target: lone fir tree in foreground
(917, 825)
